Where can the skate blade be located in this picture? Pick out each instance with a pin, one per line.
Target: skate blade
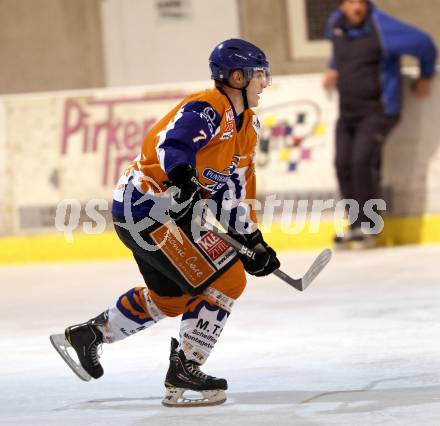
(174, 397)
(61, 344)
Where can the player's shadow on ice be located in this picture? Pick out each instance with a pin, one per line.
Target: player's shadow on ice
(335, 402)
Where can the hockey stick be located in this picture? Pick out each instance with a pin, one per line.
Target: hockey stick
(300, 283)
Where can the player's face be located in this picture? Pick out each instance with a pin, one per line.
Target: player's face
(256, 86)
(355, 11)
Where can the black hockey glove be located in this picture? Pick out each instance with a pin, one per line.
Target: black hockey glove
(184, 178)
(265, 260)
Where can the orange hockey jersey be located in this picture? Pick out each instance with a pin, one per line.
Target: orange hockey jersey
(202, 130)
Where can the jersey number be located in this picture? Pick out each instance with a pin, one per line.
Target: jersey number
(201, 137)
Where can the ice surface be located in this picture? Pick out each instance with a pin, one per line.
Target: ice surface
(360, 347)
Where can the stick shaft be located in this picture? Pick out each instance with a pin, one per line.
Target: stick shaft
(242, 249)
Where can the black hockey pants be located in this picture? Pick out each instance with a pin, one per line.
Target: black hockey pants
(359, 144)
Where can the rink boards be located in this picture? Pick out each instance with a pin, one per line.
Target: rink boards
(72, 147)
(55, 248)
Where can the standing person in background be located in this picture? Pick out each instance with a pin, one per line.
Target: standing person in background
(367, 45)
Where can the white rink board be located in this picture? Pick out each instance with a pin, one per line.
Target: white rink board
(412, 155)
(65, 145)
(298, 117)
(76, 144)
(5, 202)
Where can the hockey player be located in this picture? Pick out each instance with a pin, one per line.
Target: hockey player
(204, 149)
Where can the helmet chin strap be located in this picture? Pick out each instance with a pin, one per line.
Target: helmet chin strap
(245, 98)
(243, 91)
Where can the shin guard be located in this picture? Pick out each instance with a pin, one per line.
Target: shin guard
(133, 312)
(202, 323)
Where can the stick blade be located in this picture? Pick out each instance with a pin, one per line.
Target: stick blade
(315, 269)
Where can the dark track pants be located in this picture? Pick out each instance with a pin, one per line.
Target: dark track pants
(359, 143)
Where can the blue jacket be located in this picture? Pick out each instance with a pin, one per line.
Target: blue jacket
(397, 38)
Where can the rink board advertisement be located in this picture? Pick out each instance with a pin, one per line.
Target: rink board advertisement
(75, 145)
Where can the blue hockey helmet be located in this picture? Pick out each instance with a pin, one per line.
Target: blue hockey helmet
(236, 54)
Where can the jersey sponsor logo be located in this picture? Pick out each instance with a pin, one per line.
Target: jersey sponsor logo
(210, 116)
(219, 299)
(228, 131)
(220, 178)
(217, 250)
(203, 325)
(229, 116)
(226, 135)
(184, 256)
(215, 176)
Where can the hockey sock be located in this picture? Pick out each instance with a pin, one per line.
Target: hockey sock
(134, 311)
(202, 323)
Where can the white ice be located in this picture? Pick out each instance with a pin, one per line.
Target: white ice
(360, 347)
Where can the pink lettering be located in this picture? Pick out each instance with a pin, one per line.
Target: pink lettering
(118, 140)
(74, 121)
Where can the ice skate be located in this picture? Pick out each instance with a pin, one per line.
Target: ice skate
(342, 242)
(185, 376)
(361, 241)
(85, 339)
(354, 239)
